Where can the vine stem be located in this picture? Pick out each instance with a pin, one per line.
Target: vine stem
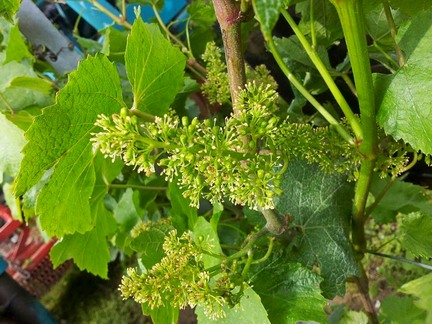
(352, 19)
(228, 14)
(325, 74)
(351, 16)
(119, 20)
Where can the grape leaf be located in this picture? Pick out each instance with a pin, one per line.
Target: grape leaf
(288, 291)
(125, 213)
(416, 235)
(11, 143)
(155, 68)
(326, 21)
(411, 7)
(206, 236)
(202, 13)
(405, 109)
(401, 310)
(165, 314)
(8, 8)
(114, 45)
(19, 98)
(16, 48)
(248, 310)
(90, 250)
(183, 215)
(60, 139)
(267, 13)
(320, 205)
(149, 244)
(422, 289)
(402, 197)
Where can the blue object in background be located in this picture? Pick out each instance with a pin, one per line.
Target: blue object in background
(100, 20)
(3, 265)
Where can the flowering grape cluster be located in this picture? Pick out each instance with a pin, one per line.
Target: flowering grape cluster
(179, 279)
(238, 160)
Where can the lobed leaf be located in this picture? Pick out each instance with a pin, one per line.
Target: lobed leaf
(59, 139)
(405, 110)
(289, 292)
(155, 68)
(415, 232)
(321, 206)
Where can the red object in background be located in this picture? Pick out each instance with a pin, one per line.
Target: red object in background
(28, 255)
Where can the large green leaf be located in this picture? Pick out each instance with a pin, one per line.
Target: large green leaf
(320, 205)
(91, 251)
(405, 109)
(288, 291)
(60, 139)
(8, 8)
(155, 68)
(416, 234)
(422, 289)
(248, 310)
(11, 143)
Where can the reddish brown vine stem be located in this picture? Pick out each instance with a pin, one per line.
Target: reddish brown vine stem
(229, 16)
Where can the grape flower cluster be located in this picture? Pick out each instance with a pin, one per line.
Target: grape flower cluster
(179, 280)
(238, 160)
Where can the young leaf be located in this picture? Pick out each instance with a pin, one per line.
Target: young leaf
(289, 292)
(60, 139)
(320, 205)
(26, 82)
(11, 143)
(8, 8)
(207, 237)
(18, 98)
(416, 235)
(125, 212)
(114, 45)
(249, 310)
(267, 13)
(16, 48)
(155, 68)
(404, 104)
(184, 216)
(167, 314)
(422, 289)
